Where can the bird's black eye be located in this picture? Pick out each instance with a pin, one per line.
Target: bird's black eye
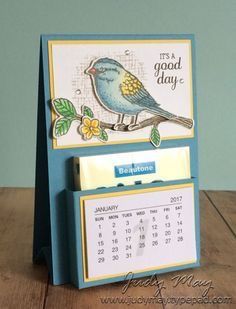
(102, 69)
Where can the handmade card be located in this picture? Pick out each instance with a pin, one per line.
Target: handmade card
(102, 95)
(127, 88)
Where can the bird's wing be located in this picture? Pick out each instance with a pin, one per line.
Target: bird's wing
(133, 91)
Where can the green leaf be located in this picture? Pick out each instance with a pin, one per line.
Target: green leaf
(155, 137)
(62, 126)
(87, 111)
(64, 107)
(103, 136)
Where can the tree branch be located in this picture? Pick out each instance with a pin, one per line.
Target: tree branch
(155, 120)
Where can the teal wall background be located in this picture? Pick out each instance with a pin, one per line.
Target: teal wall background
(212, 22)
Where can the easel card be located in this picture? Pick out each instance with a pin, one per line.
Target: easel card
(107, 94)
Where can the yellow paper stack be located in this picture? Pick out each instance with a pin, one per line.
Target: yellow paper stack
(132, 167)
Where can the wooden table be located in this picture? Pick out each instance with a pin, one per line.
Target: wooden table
(23, 285)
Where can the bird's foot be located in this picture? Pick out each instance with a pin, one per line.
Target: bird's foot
(134, 126)
(119, 126)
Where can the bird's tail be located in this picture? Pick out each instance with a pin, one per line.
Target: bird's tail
(186, 122)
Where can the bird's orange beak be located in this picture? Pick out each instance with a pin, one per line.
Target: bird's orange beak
(91, 71)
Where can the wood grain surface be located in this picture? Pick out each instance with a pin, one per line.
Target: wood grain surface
(24, 285)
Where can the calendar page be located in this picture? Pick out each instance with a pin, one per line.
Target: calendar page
(138, 231)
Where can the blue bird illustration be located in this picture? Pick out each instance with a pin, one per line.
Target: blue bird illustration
(120, 92)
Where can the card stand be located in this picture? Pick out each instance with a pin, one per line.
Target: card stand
(56, 147)
(158, 217)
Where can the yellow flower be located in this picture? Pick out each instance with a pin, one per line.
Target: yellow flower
(90, 128)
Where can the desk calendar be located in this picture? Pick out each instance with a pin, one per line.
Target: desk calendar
(114, 94)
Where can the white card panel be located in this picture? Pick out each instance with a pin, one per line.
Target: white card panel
(139, 231)
(149, 61)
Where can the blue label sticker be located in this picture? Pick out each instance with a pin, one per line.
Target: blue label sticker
(135, 169)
